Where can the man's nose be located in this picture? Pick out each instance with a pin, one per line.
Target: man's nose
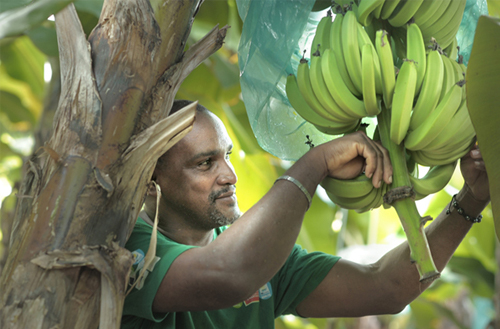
(227, 175)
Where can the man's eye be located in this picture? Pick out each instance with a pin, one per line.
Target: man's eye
(228, 154)
(206, 162)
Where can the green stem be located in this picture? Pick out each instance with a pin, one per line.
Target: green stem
(413, 223)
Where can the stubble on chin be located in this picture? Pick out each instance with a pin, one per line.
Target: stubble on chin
(216, 216)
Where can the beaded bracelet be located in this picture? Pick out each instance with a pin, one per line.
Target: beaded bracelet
(299, 185)
(471, 219)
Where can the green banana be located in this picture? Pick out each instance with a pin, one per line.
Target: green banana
(348, 188)
(307, 113)
(348, 128)
(460, 126)
(404, 93)
(434, 159)
(336, 46)
(445, 33)
(443, 21)
(435, 180)
(436, 16)
(350, 47)
(426, 10)
(452, 50)
(320, 90)
(369, 90)
(321, 40)
(305, 87)
(353, 203)
(388, 8)
(448, 77)
(416, 51)
(377, 200)
(430, 91)
(363, 39)
(433, 125)
(366, 9)
(338, 89)
(404, 12)
(388, 75)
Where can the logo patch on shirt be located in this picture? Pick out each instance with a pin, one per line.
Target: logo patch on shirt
(138, 256)
(265, 292)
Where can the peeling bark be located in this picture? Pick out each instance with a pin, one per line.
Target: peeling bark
(83, 189)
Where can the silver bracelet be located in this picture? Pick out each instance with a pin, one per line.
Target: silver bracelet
(299, 185)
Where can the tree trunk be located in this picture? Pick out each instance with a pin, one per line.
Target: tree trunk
(66, 266)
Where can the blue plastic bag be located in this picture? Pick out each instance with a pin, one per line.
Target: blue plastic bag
(274, 35)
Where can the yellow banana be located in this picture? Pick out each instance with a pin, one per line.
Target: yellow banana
(348, 188)
(307, 113)
(433, 125)
(338, 89)
(388, 8)
(321, 92)
(404, 12)
(321, 40)
(336, 46)
(350, 47)
(388, 75)
(435, 180)
(404, 93)
(369, 91)
(416, 51)
(430, 91)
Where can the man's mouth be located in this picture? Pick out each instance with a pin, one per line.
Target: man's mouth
(225, 193)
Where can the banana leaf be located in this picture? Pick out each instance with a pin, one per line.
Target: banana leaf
(16, 21)
(483, 101)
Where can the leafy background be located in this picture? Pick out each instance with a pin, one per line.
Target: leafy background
(462, 298)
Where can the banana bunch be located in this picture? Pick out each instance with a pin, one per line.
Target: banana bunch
(358, 194)
(357, 69)
(440, 130)
(342, 83)
(434, 180)
(439, 19)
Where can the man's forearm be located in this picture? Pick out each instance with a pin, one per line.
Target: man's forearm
(444, 235)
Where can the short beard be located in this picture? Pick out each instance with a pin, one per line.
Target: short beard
(215, 215)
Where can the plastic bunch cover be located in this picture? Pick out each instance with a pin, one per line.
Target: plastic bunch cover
(274, 35)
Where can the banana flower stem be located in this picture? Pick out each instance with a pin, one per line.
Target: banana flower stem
(401, 197)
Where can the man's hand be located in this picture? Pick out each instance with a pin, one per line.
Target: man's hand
(474, 173)
(353, 154)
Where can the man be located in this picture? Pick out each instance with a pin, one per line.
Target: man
(205, 276)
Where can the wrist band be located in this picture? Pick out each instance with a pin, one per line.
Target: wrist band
(471, 219)
(299, 185)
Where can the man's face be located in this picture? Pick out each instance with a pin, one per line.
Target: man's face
(197, 179)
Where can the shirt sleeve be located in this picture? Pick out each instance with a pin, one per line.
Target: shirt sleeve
(300, 275)
(139, 302)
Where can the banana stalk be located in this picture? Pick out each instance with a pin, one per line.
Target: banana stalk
(404, 203)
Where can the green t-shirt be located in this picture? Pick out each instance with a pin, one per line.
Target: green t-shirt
(298, 277)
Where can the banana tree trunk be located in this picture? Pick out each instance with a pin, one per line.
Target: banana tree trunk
(79, 200)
